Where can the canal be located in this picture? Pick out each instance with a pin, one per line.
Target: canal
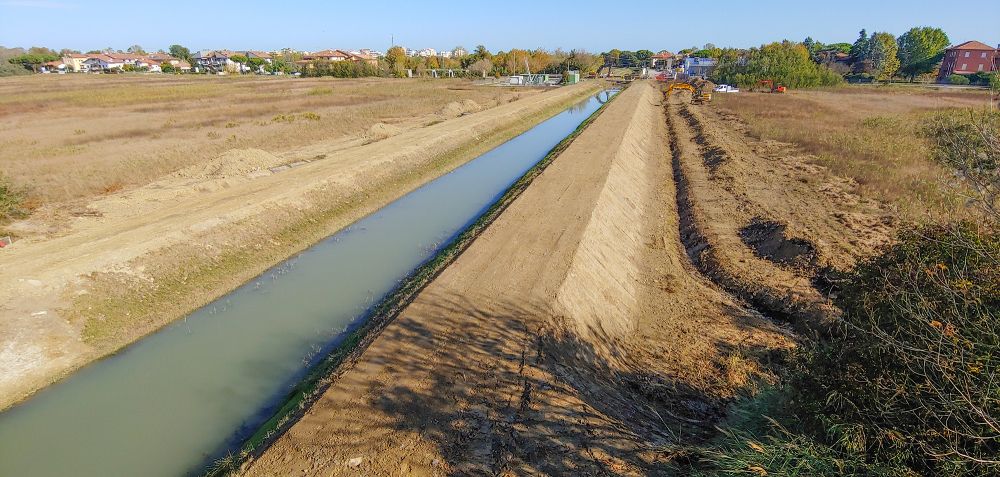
(174, 401)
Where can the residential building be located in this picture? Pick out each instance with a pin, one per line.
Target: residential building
(104, 62)
(459, 52)
(53, 67)
(263, 55)
(968, 58)
(75, 62)
(426, 52)
(663, 60)
(215, 61)
(329, 55)
(699, 66)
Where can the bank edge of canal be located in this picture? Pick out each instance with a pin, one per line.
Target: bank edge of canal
(350, 347)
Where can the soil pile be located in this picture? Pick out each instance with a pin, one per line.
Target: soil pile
(233, 163)
(456, 108)
(380, 131)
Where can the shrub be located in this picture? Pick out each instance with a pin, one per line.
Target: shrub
(914, 380)
(958, 79)
(860, 78)
(781, 453)
(786, 63)
(981, 78)
(10, 69)
(969, 143)
(11, 201)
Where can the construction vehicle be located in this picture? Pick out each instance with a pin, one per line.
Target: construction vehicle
(697, 96)
(681, 86)
(771, 88)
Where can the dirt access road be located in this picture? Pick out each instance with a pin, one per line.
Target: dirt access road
(146, 256)
(573, 337)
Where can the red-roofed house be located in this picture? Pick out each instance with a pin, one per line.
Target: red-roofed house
(968, 58)
(329, 55)
(663, 60)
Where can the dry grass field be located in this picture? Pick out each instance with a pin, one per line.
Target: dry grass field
(65, 138)
(869, 134)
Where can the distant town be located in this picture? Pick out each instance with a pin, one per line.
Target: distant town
(922, 54)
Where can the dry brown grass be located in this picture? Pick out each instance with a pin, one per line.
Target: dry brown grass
(871, 135)
(72, 137)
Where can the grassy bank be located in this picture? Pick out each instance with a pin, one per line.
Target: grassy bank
(325, 373)
(871, 135)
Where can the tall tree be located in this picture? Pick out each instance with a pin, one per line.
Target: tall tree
(178, 51)
(482, 53)
(860, 48)
(396, 57)
(920, 49)
(883, 55)
(643, 56)
(136, 50)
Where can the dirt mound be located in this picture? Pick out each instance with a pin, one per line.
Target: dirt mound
(769, 241)
(232, 163)
(455, 108)
(452, 109)
(470, 106)
(380, 131)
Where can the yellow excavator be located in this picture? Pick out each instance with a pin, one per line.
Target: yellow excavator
(698, 97)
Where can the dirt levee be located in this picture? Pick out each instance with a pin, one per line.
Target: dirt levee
(571, 338)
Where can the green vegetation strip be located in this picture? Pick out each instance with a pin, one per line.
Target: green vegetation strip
(339, 361)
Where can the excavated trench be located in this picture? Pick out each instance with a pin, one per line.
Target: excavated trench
(717, 255)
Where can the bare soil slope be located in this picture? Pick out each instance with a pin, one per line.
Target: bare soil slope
(572, 337)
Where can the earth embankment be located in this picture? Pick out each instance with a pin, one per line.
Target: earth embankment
(572, 337)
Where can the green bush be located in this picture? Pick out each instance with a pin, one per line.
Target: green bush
(958, 79)
(859, 78)
(786, 63)
(10, 69)
(11, 201)
(914, 378)
(981, 78)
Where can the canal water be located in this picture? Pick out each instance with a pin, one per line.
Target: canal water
(176, 400)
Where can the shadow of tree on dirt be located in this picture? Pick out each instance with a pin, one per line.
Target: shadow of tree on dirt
(512, 391)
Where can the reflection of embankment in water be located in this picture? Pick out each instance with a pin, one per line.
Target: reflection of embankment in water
(163, 405)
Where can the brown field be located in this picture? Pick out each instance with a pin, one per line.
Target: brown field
(77, 136)
(868, 134)
(659, 269)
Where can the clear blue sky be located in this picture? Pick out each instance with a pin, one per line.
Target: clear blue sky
(313, 25)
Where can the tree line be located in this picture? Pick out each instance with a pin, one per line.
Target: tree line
(879, 56)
